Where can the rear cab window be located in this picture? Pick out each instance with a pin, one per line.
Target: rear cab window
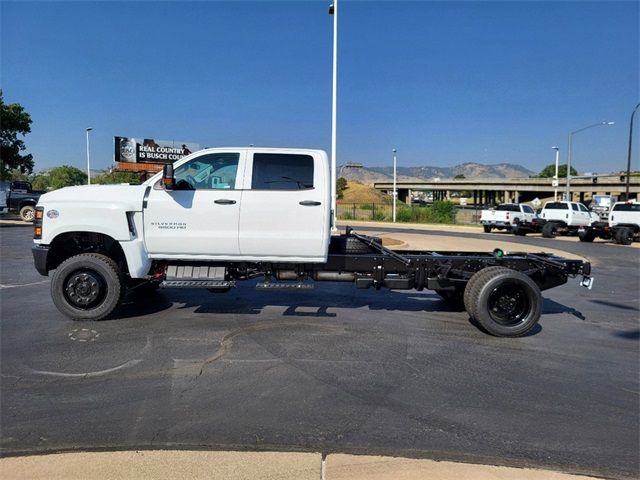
(281, 171)
(556, 206)
(627, 207)
(508, 208)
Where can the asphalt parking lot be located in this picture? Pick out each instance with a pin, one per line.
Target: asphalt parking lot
(332, 369)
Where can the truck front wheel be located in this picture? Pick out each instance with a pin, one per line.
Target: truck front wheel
(487, 228)
(27, 213)
(624, 236)
(89, 286)
(505, 302)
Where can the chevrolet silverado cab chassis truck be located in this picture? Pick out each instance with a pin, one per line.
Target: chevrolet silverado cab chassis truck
(222, 215)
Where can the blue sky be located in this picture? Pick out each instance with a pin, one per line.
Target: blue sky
(443, 82)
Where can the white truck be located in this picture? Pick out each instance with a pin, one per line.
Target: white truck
(223, 215)
(624, 222)
(506, 216)
(563, 218)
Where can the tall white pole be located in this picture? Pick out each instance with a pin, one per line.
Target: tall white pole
(333, 117)
(395, 190)
(88, 160)
(555, 190)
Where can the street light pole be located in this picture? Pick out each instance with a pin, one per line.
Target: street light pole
(87, 130)
(568, 189)
(555, 178)
(395, 190)
(333, 10)
(626, 191)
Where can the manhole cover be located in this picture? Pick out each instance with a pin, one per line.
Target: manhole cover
(83, 335)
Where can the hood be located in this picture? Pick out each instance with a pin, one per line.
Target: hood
(125, 196)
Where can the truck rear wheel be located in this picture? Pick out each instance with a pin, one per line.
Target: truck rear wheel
(550, 230)
(624, 236)
(27, 213)
(505, 302)
(519, 231)
(586, 235)
(88, 286)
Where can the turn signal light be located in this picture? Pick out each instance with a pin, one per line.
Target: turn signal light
(37, 232)
(39, 214)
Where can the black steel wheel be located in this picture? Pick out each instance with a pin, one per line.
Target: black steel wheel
(505, 302)
(624, 236)
(550, 230)
(88, 286)
(487, 228)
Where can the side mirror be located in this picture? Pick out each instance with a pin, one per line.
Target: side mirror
(168, 181)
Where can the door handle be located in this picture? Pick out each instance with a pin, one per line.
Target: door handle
(310, 203)
(224, 201)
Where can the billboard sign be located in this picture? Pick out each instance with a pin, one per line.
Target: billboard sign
(148, 150)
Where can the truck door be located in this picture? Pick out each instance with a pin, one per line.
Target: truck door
(200, 216)
(285, 209)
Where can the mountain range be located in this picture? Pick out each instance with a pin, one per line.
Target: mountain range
(370, 175)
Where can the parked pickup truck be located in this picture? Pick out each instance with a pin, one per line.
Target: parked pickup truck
(223, 215)
(21, 198)
(506, 216)
(623, 225)
(563, 218)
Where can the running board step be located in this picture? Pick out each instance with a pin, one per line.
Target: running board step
(284, 286)
(197, 284)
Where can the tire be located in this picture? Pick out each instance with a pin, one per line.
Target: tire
(624, 236)
(88, 286)
(550, 230)
(350, 245)
(453, 297)
(487, 228)
(28, 213)
(476, 278)
(586, 235)
(519, 231)
(505, 302)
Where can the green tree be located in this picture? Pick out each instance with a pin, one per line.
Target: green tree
(14, 121)
(341, 186)
(550, 170)
(117, 177)
(66, 176)
(40, 182)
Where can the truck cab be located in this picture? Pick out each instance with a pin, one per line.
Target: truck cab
(229, 204)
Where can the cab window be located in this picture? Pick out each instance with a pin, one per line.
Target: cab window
(583, 208)
(214, 171)
(574, 206)
(278, 171)
(527, 209)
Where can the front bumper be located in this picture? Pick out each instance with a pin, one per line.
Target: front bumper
(40, 254)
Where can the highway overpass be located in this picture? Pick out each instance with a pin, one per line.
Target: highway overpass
(503, 190)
